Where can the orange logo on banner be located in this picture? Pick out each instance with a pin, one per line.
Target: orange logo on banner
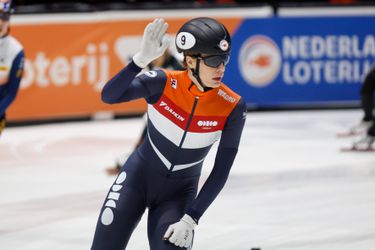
(67, 65)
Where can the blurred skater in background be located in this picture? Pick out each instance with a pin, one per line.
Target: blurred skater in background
(11, 63)
(368, 121)
(166, 61)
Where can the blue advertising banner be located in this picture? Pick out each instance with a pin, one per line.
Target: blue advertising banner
(299, 61)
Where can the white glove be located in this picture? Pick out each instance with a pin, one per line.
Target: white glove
(181, 233)
(154, 43)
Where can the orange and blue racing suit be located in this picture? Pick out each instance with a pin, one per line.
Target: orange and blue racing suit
(163, 173)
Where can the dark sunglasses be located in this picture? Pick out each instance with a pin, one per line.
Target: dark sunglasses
(215, 61)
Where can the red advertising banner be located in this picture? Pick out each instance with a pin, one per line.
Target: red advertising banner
(69, 59)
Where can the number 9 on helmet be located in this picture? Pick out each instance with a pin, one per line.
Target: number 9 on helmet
(203, 35)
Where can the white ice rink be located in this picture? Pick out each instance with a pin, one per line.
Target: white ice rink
(290, 187)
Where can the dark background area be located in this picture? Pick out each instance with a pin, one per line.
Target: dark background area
(43, 6)
(69, 6)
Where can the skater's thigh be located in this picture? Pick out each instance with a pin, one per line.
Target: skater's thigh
(159, 219)
(121, 211)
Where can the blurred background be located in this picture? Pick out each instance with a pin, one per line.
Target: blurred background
(286, 54)
(299, 65)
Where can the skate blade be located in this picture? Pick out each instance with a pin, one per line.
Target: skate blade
(372, 149)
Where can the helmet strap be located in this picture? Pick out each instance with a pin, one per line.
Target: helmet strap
(195, 72)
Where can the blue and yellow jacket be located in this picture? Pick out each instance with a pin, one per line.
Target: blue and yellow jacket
(11, 67)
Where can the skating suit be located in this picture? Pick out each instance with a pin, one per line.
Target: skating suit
(162, 174)
(367, 99)
(11, 66)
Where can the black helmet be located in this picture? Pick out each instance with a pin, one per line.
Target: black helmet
(5, 9)
(203, 35)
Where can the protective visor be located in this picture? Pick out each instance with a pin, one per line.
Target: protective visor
(4, 16)
(216, 60)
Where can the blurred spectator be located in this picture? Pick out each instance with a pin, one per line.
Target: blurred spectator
(11, 62)
(368, 121)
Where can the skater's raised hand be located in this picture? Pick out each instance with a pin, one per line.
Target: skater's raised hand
(154, 43)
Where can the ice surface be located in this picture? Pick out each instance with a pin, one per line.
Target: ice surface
(290, 187)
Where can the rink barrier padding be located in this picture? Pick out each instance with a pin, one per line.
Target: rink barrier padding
(293, 61)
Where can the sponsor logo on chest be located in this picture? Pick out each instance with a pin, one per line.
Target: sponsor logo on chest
(226, 96)
(174, 83)
(207, 124)
(165, 106)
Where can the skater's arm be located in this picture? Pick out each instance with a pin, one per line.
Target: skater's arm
(127, 86)
(225, 156)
